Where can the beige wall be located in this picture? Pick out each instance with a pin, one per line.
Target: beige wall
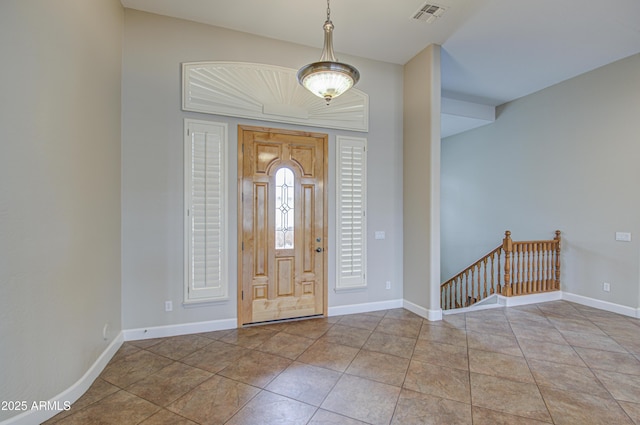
(59, 191)
(421, 179)
(563, 158)
(155, 47)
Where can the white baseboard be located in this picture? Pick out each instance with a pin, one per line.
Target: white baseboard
(180, 329)
(550, 296)
(531, 299)
(71, 394)
(602, 305)
(498, 301)
(431, 315)
(386, 305)
(364, 307)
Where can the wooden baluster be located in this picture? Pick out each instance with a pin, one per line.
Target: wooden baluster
(452, 294)
(499, 285)
(534, 267)
(526, 267)
(557, 281)
(546, 266)
(470, 295)
(543, 285)
(514, 267)
(549, 268)
(538, 267)
(469, 289)
(529, 266)
(478, 292)
(543, 253)
(552, 252)
(485, 278)
(517, 252)
(549, 278)
(521, 269)
(517, 290)
(456, 293)
(526, 270)
(465, 300)
(552, 247)
(512, 260)
(446, 296)
(482, 281)
(522, 263)
(493, 283)
(474, 284)
(507, 245)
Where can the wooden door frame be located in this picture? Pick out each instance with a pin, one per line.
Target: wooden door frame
(325, 137)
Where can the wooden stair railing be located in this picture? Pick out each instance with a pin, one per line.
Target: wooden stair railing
(513, 268)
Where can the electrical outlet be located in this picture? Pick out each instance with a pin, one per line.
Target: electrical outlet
(168, 306)
(606, 287)
(388, 286)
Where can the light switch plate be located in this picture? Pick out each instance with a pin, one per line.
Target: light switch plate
(379, 234)
(623, 236)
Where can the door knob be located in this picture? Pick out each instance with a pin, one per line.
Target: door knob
(318, 249)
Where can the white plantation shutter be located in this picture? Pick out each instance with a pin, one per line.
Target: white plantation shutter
(351, 219)
(205, 211)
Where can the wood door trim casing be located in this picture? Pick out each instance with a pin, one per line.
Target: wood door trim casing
(325, 137)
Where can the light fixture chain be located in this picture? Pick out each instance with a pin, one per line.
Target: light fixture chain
(328, 11)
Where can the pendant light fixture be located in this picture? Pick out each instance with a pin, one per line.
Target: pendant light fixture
(328, 78)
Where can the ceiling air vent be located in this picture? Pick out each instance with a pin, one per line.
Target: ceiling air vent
(429, 13)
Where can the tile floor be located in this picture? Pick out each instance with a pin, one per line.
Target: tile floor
(556, 362)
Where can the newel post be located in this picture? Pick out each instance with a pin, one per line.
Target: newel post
(557, 239)
(507, 246)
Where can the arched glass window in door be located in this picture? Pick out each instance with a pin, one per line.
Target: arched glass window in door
(284, 208)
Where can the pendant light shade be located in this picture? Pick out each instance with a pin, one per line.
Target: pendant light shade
(328, 78)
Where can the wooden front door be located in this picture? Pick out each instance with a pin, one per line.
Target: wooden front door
(282, 224)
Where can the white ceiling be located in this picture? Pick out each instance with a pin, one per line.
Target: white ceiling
(493, 51)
